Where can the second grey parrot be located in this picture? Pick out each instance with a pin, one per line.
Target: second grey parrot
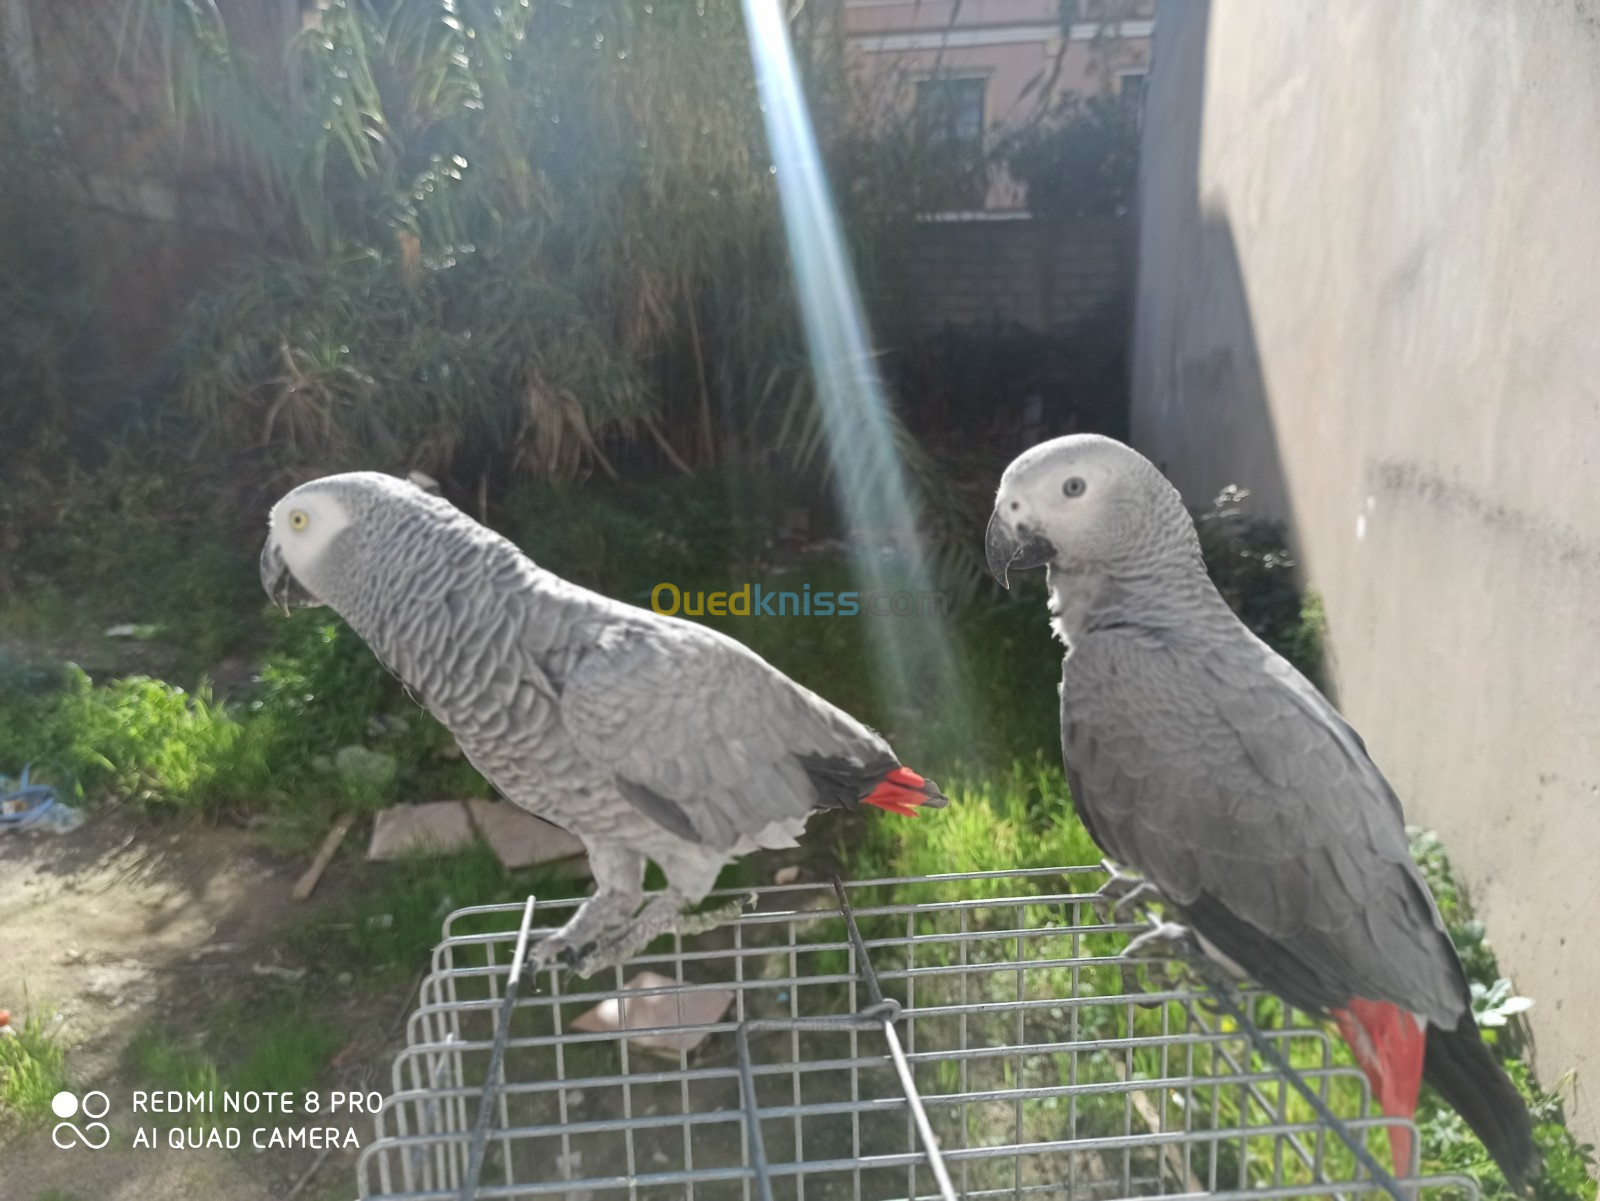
(1199, 757)
(647, 737)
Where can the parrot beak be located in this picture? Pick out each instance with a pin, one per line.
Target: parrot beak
(282, 588)
(1007, 550)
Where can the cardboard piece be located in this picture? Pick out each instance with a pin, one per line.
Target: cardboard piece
(694, 1011)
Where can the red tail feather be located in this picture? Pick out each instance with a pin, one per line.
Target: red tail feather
(901, 791)
(1388, 1043)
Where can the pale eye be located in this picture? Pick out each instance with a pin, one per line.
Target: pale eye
(298, 520)
(1074, 486)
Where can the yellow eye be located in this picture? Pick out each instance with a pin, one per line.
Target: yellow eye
(298, 520)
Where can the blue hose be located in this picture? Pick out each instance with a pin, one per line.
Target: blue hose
(41, 799)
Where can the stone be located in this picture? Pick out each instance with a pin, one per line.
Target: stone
(519, 838)
(436, 827)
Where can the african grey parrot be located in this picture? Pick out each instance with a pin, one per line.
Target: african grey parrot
(1199, 757)
(645, 736)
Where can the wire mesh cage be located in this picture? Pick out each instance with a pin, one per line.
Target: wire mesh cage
(966, 1036)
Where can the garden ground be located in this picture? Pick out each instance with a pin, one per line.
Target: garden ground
(127, 936)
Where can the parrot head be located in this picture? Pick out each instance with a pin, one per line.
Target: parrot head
(318, 533)
(1080, 502)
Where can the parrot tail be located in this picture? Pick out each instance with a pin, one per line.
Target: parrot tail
(1397, 1053)
(1472, 1082)
(902, 791)
(1388, 1043)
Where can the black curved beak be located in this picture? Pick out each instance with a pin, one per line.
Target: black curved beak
(282, 588)
(1008, 550)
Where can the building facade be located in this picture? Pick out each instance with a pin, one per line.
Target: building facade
(968, 71)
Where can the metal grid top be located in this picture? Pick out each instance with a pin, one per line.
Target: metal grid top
(965, 1035)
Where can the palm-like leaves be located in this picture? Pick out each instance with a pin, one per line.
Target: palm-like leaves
(515, 232)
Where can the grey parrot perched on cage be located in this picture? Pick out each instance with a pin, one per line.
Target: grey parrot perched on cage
(647, 737)
(1200, 758)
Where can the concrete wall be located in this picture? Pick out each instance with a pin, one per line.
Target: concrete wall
(1369, 288)
(1042, 275)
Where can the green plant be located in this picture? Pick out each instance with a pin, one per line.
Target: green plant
(1251, 565)
(32, 1069)
(136, 738)
(287, 1052)
(171, 1064)
(1447, 1143)
(1081, 159)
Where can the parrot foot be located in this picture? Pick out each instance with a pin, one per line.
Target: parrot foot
(582, 933)
(663, 915)
(1175, 949)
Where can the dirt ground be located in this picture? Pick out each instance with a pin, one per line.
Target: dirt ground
(121, 926)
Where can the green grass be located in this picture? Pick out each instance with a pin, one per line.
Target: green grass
(285, 1051)
(167, 1063)
(393, 923)
(1017, 819)
(120, 547)
(32, 1069)
(136, 738)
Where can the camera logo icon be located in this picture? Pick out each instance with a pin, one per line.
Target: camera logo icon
(68, 1134)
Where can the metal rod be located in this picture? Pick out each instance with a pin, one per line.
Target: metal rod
(1267, 1051)
(480, 1131)
(908, 1083)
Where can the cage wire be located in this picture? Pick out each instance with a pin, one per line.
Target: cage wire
(959, 1036)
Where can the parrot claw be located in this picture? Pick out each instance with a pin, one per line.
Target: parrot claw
(1174, 949)
(1122, 894)
(572, 956)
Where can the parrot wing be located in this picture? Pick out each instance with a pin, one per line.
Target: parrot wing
(716, 745)
(1230, 782)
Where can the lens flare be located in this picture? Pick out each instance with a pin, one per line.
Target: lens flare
(868, 475)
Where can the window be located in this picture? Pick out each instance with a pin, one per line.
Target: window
(950, 112)
(949, 116)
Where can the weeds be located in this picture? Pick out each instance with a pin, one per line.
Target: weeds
(32, 1069)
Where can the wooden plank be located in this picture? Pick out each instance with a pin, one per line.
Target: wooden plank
(330, 844)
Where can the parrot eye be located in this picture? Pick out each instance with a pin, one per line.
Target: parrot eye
(1074, 486)
(298, 520)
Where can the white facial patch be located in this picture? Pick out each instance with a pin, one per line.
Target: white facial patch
(304, 524)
